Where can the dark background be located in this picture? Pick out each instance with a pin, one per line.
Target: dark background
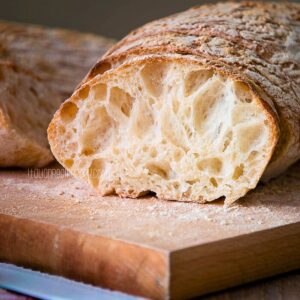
(113, 18)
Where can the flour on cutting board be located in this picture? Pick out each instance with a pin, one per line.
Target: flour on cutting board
(68, 202)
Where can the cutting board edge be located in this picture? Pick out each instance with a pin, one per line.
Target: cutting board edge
(180, 273)
(139, 270)
(234, 261)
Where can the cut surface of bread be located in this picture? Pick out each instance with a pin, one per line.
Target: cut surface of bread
(165, 126)
(26, 108)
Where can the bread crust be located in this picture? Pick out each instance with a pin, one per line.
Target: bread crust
(22, 139)
(60, 57)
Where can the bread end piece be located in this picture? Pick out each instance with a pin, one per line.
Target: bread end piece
(169, 126)
(26, 108)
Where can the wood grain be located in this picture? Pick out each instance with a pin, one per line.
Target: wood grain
(234, 261)
(149, 247)
(281, 287)
(97, 260)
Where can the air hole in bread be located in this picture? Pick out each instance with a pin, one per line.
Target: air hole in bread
(83, 93)
(191, 182)
(214, 182)
(120, 102)
(145, 148)
(172, 131)
(151, 101)
(153, 152)
(102, 68)
(252, 156)
(242, 92)
(238, 172)
(159, 168)
(176, 185)
(68, 111)
(95, 171)
(125, 109)
(195, 79)
(249, 135)
(141, 120)
(211, 165)
(153, 75)
(109, 191)
(227, 140)
(69, 163)
(188, 130)
(88, 151)
(207, 105)
(95, 134)
(99, 91)
(131, 192)
(243, 113)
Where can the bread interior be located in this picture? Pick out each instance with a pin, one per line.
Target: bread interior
(176, 129)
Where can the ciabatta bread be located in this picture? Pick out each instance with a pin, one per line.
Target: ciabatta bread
(26, 108)
(39, 69)
(193, 107)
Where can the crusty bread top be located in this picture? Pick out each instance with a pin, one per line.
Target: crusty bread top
(58, 56)
(258, 42)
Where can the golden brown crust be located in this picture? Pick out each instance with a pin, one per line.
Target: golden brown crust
(58, 56)
(22, 126)
(255, 41)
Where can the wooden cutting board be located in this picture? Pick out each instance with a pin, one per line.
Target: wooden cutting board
(51, 222)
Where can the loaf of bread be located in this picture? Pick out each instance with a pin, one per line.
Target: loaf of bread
(26, 108)
(39, 69)
(193, 107)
